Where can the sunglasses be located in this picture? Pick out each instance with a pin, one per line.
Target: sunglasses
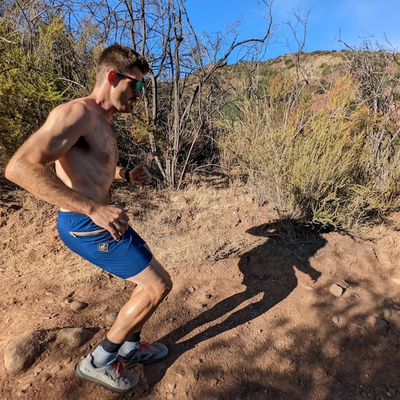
(136, 85)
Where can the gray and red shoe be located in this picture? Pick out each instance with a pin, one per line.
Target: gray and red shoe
(112, 376)
(145, 354)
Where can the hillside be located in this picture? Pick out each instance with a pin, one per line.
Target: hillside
(252, 314)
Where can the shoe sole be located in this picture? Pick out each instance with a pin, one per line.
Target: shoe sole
(88, 378)
(163, 356)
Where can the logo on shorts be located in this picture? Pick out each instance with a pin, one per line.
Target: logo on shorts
(102, 247)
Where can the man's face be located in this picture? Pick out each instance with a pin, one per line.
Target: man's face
(128, 89)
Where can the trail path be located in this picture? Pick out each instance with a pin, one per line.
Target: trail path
(257, 319)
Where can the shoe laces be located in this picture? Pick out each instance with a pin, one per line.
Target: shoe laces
(144, 346)
(118, 367)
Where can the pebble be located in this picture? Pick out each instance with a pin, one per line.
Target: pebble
(37, 370)
(335, 319)
(111, 317)
(45, 377)
(337, 290)
(26, 386)
(77, 305)
(391, 392)
(171, 386)
(214, 382)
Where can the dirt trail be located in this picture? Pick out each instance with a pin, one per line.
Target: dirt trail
(255, 320)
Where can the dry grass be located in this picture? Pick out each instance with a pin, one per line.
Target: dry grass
(31, 247)
(335, 164)
(189, 227)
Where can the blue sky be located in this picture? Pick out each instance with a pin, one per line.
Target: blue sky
(353, 21)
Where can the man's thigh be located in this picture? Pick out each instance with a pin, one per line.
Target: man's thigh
(153, 275)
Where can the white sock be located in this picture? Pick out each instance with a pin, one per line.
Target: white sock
(102, 357)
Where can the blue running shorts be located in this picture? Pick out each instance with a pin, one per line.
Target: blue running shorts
(125, 258)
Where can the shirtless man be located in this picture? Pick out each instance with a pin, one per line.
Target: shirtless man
(78, 138)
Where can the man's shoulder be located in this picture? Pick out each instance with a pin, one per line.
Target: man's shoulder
(72, 112)
(79, 106)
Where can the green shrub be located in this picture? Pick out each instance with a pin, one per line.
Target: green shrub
(314, 164)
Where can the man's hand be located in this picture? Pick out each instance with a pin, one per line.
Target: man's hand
(140, 174)
(112, 218)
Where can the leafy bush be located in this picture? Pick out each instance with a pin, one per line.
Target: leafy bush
(314, 164)
(39, 71)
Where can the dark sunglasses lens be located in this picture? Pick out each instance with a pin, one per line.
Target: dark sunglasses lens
(137, 86)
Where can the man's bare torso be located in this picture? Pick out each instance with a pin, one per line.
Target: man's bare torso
(89, 165)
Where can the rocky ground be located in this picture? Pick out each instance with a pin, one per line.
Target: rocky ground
(259, 309)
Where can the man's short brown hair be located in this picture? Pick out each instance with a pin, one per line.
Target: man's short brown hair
(121, 58)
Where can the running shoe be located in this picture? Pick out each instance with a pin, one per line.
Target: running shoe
(112, 376)
(145, 354)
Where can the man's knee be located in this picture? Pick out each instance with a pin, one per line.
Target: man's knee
(155, 280)
(163, 287)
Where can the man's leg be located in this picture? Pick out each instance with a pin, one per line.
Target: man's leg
(154, 283)
(123, 339)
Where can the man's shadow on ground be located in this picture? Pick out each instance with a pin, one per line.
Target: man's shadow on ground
(268, 271)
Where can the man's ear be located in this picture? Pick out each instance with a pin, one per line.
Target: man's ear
(112, 77)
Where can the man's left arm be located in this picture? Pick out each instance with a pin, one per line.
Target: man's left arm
(139, 174)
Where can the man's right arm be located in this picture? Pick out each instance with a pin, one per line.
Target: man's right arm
(29, 169)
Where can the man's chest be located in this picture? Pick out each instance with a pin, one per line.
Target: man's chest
(102, 145)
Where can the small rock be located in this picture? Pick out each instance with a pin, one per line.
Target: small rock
(111, 317)
(337, 290)
(45, 377)
(214, 382)
(335, 319)
(26, 386)
(77, 305)
(73, 337)
(171, 386)
(391, 392)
